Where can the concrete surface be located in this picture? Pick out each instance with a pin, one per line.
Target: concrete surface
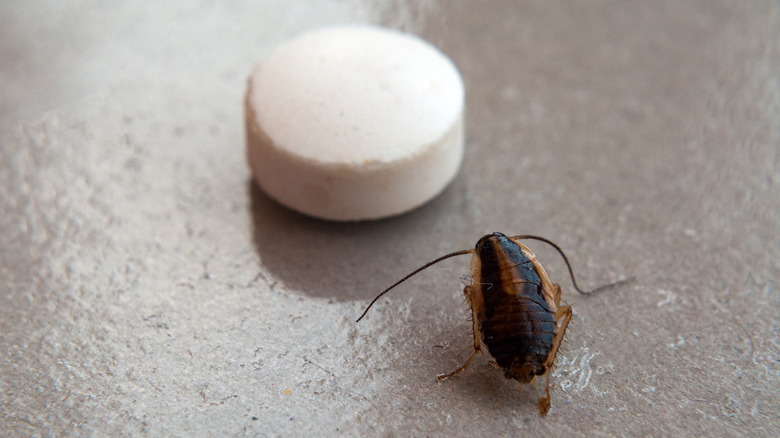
(147, 288)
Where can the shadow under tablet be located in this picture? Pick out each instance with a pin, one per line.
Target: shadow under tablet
(345, 260)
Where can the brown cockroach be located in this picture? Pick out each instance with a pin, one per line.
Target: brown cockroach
(518, 319)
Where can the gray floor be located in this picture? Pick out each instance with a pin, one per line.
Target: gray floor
(148, 288)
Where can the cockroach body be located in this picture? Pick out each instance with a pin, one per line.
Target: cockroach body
(518, 319)
(515, 311)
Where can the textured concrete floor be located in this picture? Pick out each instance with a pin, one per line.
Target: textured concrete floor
(148, 288)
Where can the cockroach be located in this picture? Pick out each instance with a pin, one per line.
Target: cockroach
(518, 319)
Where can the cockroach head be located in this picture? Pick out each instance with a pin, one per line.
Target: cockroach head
(488, 237)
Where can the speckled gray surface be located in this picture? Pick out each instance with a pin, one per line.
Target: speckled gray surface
(148, 288)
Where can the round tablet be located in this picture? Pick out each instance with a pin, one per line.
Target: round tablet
(356, 122)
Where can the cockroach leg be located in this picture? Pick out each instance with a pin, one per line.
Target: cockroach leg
(544, 402)
(565, 313)
(444, 377)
